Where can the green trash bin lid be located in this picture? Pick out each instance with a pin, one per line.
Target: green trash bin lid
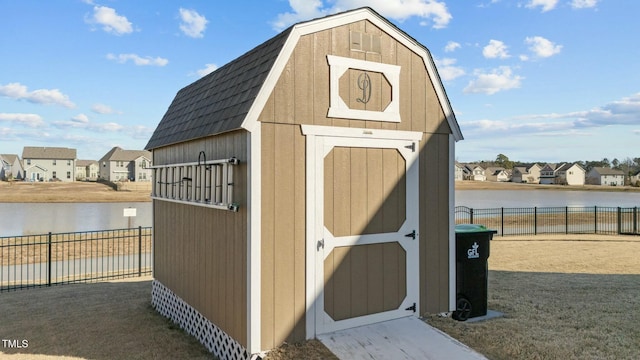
(471, 228)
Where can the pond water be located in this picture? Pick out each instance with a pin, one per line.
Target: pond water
(41, 218)
(484, 199)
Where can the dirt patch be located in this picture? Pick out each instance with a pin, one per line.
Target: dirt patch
(11, 192)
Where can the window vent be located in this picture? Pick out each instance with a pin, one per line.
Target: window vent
(365, 42)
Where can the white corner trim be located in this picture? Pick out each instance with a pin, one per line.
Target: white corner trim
(254, 241)
(318, 130)
(339, 109)
(452, 223)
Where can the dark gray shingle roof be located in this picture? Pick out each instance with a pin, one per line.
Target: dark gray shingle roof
(219, 101)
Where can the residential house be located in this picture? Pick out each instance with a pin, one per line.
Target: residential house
(475, 172)
(10, 167)
(498, 174)
(459, 172)
(635, 179)
(529, 174)
(49, 163)
(605, 176)
(125, 165)
(570, 174)
(548, 173)
(87, 170)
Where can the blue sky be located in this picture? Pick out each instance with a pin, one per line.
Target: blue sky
(536, 80)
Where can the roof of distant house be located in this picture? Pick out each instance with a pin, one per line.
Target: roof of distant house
(33, 152)
(119, 154)
(85, 162)
(607, 171)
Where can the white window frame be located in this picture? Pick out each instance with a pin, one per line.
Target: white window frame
(339, 109)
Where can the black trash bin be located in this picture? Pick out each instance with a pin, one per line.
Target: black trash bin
(472, 253)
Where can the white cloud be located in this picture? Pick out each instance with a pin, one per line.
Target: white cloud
(430, 11)
(30, 120)
(495, 49)
(542, 47)
(208, 68)
(193, 24)
(451, 46)
(546, 5)
(138, 60)
(102, 109)
(110, 20)
(499, 79)
(583, 4)
(447, 70)
(108, 127)
(41, 96)
(80, 119)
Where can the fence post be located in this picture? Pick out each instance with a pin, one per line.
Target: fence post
(535, 220)
(595, 219)
(471, 215)
(635, 219)
(566, 219)
(139, 251)
(502, 221)
(49, 259)
(619, 220)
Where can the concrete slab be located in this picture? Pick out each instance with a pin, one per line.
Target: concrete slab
(405, 338)
(491, 314)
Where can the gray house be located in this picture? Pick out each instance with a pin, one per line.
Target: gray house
(122, 165)
(10, 167)
(605, 176)
(87, 170)
(49, 163)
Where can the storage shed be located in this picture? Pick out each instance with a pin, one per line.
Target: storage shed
(306, 187)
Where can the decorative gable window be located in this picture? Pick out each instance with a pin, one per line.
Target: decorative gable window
(202, 183)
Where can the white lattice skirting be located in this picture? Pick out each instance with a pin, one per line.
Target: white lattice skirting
(212, 337)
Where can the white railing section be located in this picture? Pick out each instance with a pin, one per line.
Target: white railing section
(202, 183)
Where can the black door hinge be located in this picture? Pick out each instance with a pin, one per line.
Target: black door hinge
(412, 147)
(412, 235)
(412, 307)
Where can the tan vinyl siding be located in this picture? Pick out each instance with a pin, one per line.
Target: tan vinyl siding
(200, 252)
(283, 235)
(301, 95)
(434, 224)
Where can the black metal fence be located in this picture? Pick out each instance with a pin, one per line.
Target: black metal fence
(554, 220)
(76, 257)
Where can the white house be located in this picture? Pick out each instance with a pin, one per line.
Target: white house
(49, 163)
(10, 167)
(605, 176)
(459, 172)
(475, 172)
(122, 165)
(570, 174)
(526, 174)
(548, 173)
(498, 174)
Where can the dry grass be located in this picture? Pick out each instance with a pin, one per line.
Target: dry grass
(111, 320)
(564, 297)
(577, 299)
(67, 192)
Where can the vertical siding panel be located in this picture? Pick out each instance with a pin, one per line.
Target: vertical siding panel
(285, 93)
(418, 93)
(375, 195)
(443, 223)
(321, 47)
(340, 47)
(359, 280)
(430, 249)
(329, 292)
(329, 192)
(375, 288)
(341, 191)
(391, 218)
(267, 241)
(389, 55)
(358, 183)
(300, 234)
(353, 75)
(268, 111)
(284, 233)
(390, 264)
(406, 91)
(303, 82)
(342, 283)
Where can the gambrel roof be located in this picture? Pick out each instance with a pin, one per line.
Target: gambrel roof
(232, 96)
